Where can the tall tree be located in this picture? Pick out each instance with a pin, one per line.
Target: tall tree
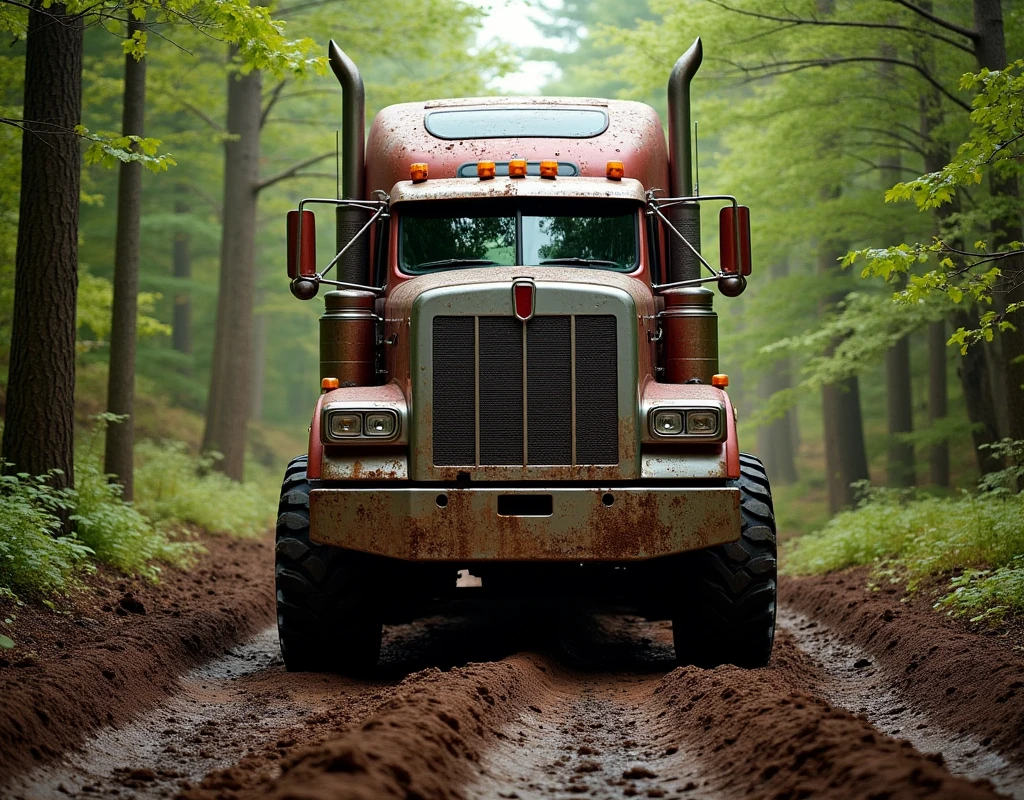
(846, 460)
(181, 269)
(120, 437)
(898, 390)
(228, 404)
(990, 48)
(39, 418)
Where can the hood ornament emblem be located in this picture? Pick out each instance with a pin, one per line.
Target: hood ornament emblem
(524, 298)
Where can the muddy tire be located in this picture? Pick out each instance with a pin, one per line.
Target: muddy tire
(730, 616)
(325, 617)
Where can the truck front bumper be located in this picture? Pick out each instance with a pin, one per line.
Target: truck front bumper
(588, 523)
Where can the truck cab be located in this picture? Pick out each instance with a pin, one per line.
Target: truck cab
(520, 380)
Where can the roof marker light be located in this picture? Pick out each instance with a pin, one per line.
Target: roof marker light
(329, 383)
(485, 170)
(418, 172)
(613, 171)
(721, 381)
(549, 168)
(517, 168)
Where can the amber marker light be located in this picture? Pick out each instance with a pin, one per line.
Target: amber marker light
(485, 170)
(517, 168)
(549, 169)
(418, 172)
(613, 171)
(329, 383)
(721, 381)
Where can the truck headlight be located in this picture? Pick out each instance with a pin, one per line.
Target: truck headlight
(668, 423)
(702, 423)
(685, 423)
(345, 425)
(357, 425)
(381, 424)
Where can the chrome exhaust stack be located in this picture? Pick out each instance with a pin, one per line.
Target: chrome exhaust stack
(354, 266)
(683, 264)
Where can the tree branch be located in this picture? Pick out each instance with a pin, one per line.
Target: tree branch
(202, 115)
(910, 145)
(973, 35)
(275, 94)
(291, 171)
(787, 67)
(796, 21)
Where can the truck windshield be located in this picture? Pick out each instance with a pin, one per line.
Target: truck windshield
(599, 234)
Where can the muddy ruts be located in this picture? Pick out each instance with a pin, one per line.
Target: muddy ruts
(966, 682)
(755, 733)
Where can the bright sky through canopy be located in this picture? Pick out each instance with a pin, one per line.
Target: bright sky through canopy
(509, 21)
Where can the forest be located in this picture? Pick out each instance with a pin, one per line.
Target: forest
(156, 375)
(230, 567)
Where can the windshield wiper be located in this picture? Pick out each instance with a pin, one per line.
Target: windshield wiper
(457, 262)
(590, 262)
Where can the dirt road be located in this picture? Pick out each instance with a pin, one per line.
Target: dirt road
(865, 697)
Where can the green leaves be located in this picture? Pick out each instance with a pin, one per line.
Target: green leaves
(111, 150)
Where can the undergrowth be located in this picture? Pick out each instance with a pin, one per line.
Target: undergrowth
(173, 490)
(34, 561)
(173, 487)
(977, 538)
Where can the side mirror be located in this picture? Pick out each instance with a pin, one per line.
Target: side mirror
(734, 260)
(301, 265)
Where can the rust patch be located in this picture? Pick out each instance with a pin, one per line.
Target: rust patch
(587, 524)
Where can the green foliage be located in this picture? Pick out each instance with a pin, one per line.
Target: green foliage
(987, 595)
(173, 487)
(911, 537)
(856, 333)
(110, 150)
(998, 128)
(94, 308)
(35, 562)
(993, 148)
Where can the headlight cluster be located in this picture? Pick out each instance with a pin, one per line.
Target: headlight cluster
(697, 422)
(343, 425)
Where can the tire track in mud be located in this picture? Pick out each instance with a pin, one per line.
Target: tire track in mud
(862, 684)
(575, 704)
(224, 711)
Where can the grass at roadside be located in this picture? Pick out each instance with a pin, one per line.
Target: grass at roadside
(976, 541)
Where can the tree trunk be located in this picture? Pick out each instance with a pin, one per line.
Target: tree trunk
(901, 466)
(39, 418)
(974, 368)
(991, 52)
(229, 401)
(181, 336)
(900, 414)
(978, 396)
(258, 367)
(118, 460)
(938, 407)
(775, 441)
(845, 457)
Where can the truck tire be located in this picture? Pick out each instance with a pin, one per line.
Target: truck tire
(325, 616)
(730, 616)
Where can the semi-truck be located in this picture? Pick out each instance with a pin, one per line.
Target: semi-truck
(519, 379)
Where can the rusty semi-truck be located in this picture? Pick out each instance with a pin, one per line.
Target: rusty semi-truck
(520, 378)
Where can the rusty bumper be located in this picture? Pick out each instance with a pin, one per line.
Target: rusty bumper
(518, 524)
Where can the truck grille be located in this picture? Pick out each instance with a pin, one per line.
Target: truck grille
(562, 412)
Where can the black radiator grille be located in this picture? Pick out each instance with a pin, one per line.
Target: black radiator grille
(480, 392)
